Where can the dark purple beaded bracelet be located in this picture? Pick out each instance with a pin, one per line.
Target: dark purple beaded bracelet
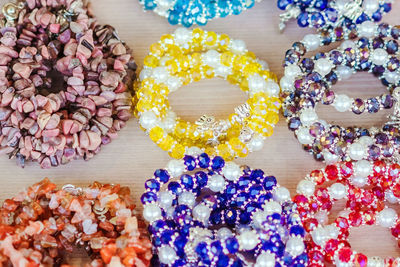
(308, 81)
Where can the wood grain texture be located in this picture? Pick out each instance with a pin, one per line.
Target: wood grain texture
(132, 158)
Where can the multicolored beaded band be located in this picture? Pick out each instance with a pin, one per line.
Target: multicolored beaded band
(363, 207)
(331, 13)
(189, 56)
(39, 225)
(188, 13)
(50, 123)
(308, 81)
(221, 215)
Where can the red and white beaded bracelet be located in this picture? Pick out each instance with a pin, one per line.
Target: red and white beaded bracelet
(319, 191)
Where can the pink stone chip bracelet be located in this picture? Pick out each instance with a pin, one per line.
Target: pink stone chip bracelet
(64, 83)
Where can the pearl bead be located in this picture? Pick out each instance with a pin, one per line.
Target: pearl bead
(224, 233)
(151, 212)
(308, 117)
(367, 29)
(387, 218)
(359, 181)
(167, 255)
(173, 83)
(392, 77)
(375, 262)
(165, 3)
(182, 36)
(168, 123)
(366, 140)
(357, 151)
(222, 71)
(380, 57)
(306, 188)
(145, 73)
(176, 167)
(323, 66)
(292, 71)
(201, 213)
(337, 191)
(248, 240)
(256, 84)
(160, 74)
(166, 199)
(287, 84)
(391, 197)
(342, 103)
(148, 120)
(238, 46)
(187, 198)
(295, 246)
(312, 42)
(332, 231)
(231, 171)
(272, 207)
(216, 183)
(329, 157)
(212, 58)
(370, 6)
(194, 151)
(273, 89)
(256, 144)
(259, 218)
(362, 168)
(319, 236)
(304, 136)
(265, 259)
(344, 72)
(281, 194)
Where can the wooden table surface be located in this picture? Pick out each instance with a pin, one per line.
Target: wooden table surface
(132, 158)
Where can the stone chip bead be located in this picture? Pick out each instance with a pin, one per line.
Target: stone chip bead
(221, 214)
(65, 83)
(41, 225)
(188, 13)
(365, 204)
(189, 56)
(309, 81)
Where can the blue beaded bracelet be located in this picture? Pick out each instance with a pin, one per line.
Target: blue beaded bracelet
(220, 214)
(332, 13)
(187, 13)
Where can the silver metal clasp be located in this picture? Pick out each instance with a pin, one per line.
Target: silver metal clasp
(292, 12)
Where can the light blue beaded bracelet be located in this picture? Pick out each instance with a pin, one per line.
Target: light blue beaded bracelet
(197, 12)
(204, 211)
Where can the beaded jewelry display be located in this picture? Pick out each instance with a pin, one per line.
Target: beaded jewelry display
(188, 13)
(190, 56)
(47, 41)
(308, 81)
(41, 224)
(331, 13)
(329, 242)
(219, 214)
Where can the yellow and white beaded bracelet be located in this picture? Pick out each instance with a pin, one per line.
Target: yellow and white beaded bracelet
(190, 56)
